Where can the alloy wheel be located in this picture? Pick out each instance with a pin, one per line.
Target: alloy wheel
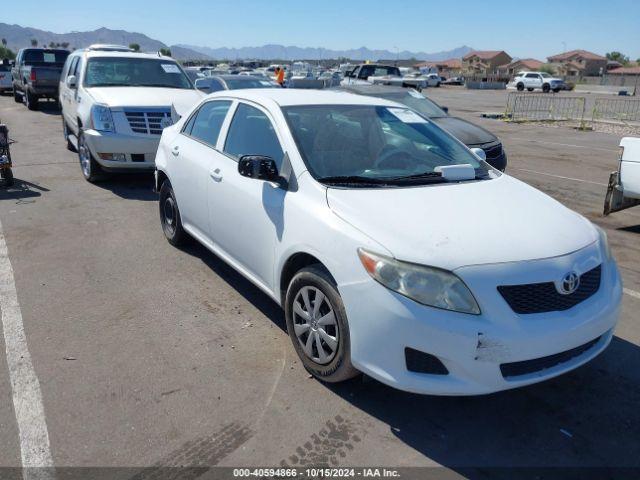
(85, 157)
(315, 325)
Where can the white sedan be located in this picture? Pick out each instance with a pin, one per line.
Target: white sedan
(393, 249)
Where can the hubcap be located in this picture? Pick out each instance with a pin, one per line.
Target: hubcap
(315, 325)
(169, 212)
(85, 159)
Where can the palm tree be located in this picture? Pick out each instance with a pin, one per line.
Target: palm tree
(4, 42)
(34, 42)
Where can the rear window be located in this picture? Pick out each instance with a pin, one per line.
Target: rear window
(33, 57)
(5, 68)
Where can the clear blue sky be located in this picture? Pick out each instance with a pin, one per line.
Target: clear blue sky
(522, 28)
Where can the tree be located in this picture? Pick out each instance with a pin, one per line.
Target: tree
(4, 42)
(34, 42)
(51, 44)
(6, 53)
(165, 51)
(135, 47)
(547, 69)
(64, 45)
(618, 57)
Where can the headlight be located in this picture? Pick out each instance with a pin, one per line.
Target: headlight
(604, 243)
(427, 285)
(101, 118)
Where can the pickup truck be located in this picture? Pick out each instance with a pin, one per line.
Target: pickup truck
(538, 80)
(36, 75)
(624, 185)
(370, 73)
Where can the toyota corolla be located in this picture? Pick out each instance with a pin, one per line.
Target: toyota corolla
(393, 249)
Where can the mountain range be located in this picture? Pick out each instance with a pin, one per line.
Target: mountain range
(18, 37)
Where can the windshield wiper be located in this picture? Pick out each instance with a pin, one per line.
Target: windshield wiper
(353, 179)
(426, 177)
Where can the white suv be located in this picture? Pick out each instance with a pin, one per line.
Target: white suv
(538, 80)
(115, 104)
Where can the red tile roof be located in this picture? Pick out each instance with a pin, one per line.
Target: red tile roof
(483, 54)
(581, 53)
(626, 71)
(530, 63)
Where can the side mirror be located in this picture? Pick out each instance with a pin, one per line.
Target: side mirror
(203, 84)
(478, 152)
(260, 167)
(72, 81)
(445, 109)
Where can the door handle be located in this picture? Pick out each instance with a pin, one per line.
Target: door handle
(216, 175)
(176, 151)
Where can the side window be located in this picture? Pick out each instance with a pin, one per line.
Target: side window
(252, 133)
(72, 67)
(532, 75)
(206, 124)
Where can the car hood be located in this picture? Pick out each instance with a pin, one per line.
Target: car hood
(116, 97)
(455, 225)
(466, 132)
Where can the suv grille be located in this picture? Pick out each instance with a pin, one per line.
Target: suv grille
(148, 122)
(543, 297)
(492, 151)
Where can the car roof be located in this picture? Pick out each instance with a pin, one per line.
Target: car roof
(374, 89)
(285, 97)
(113, 53)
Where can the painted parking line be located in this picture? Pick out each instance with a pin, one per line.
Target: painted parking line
(631, 293)
(35, 450)
(611, 149)
(559, 176)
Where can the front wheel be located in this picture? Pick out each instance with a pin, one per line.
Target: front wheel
(546, 88)
(317, 324)
(170, 216)
(91, 170)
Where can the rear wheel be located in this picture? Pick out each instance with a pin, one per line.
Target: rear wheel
(170, 216)
(91, 170)
(31, 100)
(317, 324)
(16, 96)
(520, 87)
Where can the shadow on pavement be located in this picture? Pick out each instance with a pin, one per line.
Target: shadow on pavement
(21, 189)
(131, 186)
(631, 229)
(48, 108)
(587, 418)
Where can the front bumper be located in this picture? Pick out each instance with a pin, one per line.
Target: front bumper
(473, 348)
(139, 151)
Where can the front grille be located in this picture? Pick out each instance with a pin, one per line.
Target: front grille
(516, 369)
(148, 122)
(492, 151)
(544, 297)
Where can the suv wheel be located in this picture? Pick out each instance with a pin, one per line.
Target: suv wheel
(16, 96)
(520, 87)
(317, 324)
(90, 168)
(546, 88)
(170, 216)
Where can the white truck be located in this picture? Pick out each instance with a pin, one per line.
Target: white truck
(371, 73)
(624, 185)
(115, 103)
(538, 81)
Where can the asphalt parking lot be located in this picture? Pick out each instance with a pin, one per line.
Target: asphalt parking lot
(148, 355)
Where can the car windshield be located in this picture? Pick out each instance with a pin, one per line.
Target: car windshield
(415, 101)
(134, 72)
(245, 82)
(366, 144)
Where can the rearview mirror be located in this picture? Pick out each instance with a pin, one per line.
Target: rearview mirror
(478, 152)
(260, 167)
(72, 81)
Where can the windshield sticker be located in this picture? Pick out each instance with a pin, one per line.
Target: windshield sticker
(170, 68)
(406, 116)
(415, 93)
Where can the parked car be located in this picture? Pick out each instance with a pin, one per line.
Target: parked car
(366, 73)
(453, 81)
(216, 83)
(538, 80)
(6, 85)
(36, 74)
(473, 136)
(624, 185)
(115, 104)
(392, 248)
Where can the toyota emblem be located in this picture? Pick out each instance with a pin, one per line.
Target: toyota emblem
(569, 284)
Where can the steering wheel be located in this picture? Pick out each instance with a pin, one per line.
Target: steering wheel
(391, 157)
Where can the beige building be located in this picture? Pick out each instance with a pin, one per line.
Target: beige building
(484, 62)
(521, 65)
(578, 63)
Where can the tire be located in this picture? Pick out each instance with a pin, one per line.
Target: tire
(556, 90)
(91, 170)
(334, 364)
(31, 100)
(530, 89)
(16, 96)
(546, 88)
(65, 133)
(7, 177)
(170, 218)
(520, 87)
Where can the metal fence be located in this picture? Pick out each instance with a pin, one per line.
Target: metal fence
(523, 107)
(616, 109)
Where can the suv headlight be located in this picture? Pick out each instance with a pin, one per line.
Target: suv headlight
(604, 243)
(426, 285)
(101, 118)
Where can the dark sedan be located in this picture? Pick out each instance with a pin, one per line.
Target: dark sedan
(215, 83)
(471, 135)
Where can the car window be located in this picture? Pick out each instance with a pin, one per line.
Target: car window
(532, 75)
(205, 125)
(252, 133)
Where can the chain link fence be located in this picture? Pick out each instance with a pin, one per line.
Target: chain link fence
(616, 109)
